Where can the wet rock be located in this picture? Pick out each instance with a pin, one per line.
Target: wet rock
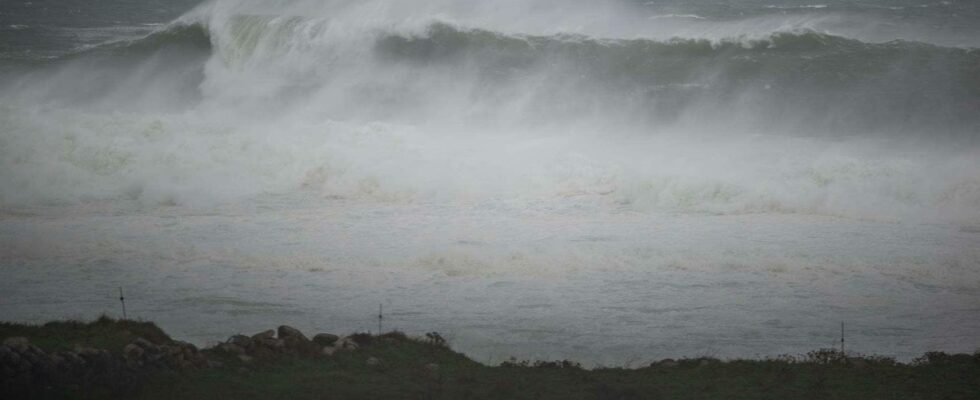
(325, 339)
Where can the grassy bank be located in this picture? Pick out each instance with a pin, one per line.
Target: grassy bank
(394, 366)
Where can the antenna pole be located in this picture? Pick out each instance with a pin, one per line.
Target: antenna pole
(122, 300)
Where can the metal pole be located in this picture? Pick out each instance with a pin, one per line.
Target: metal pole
(842, 339)
(123, 301)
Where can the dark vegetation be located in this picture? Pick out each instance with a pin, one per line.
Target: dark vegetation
(396, 366)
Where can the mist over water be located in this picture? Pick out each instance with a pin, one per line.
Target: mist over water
(709, 143)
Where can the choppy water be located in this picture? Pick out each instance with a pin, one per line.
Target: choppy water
(607, 181)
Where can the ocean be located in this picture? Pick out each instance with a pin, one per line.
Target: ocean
(607, 181)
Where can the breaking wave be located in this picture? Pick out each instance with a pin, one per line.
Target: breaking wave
(233, 102)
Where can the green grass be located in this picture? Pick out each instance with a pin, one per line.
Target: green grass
(403, 374)
(103, 333)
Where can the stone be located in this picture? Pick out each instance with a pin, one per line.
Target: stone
(240, 341)
(245, 359)
(325, 339)
(346, 344)
(273, 344)
(269, 334)
(18, 344)
(262, 352)
(145, 344)
(328, 350)
(373, 362)
(286, 331)
(133, 352)
(231, 348)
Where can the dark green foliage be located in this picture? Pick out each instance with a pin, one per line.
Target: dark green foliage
(104, 333)
(425, 368)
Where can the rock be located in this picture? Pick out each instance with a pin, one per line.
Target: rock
(668, 363)
(262, 352)
(133, 352)
(145, 344)
(346, 344)
(231, 348)
(325, 339)
(273, 344)
(328, 350)
(18, 344)
(7, 355)
(269, 334)
(240, 341)
(373, 362)
(245, 359)
(296, 342)
(286, 331)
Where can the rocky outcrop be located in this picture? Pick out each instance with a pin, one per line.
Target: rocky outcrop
(25, 366)
(284, 341)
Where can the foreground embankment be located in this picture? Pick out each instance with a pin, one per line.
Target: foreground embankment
(137, 360)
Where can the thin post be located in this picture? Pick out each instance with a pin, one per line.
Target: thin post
(841, 338)
(123, 301)
(380, 316)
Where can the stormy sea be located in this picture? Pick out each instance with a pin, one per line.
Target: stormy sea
(610, 181)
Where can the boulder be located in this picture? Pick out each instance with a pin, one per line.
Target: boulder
(286, 331)
(272, 344)
(328, 350)
(18, 344)
(269, 334)
(231, 348)
(133, 352)
(145, 344)
(325, 339)
(262, 352)
(346, 344)
(240, 341)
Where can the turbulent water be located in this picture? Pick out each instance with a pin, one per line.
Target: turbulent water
(588, 179)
